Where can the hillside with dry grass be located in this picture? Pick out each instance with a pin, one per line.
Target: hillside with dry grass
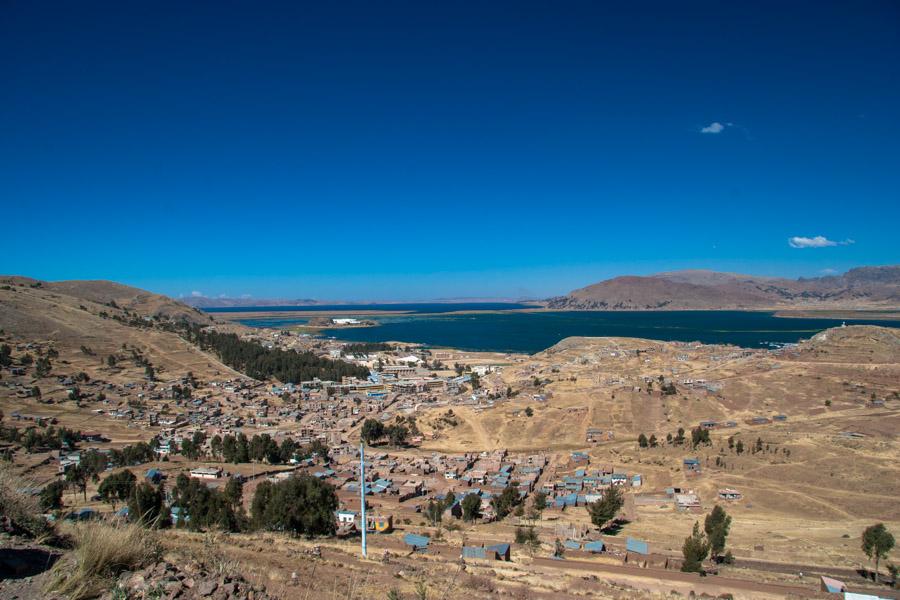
(101, 316)
(860, 288)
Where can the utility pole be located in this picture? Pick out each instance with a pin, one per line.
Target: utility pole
(362, 493)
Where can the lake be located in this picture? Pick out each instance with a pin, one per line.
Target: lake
(529, 332)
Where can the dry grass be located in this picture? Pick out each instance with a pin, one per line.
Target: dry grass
(20, 507)
(102, 551)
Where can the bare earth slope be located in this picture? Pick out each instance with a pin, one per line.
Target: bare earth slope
(71, 315)
(864, 287)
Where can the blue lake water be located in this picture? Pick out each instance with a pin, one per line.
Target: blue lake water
(531, 332)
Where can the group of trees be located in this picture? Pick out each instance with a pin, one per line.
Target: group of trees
(301, 505)
(365, 348)
(506, 501)
(35, 439)
(239, 449)
(707, 542)
(118, 487)
(262, 363)
(644, 442)
(434, 511)
(203, 507)
(374, 430)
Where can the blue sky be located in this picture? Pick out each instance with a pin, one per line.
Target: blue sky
(398, 151)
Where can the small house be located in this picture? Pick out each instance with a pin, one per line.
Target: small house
(379, 523)
(729, 494)
(153, 475)
(637, 546)
(415, 541)
(832, 586)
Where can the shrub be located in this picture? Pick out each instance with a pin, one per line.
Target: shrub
(19, 506)
(101, 551)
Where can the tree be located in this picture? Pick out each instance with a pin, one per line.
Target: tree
(694, 550)
(150, 373)
(51, 495)
(434, 512)
(111, 360)
(716, 526)
(372, 430)
(642, 441)
(471, 507)
(43, 366)
(877, 541)
(739, 447)
(529, 537)
(528, 411)
(145, 506)
(539, 502)
(301, 505)
(506, 501)
(605, 510)
(118, 487)
(77, 477)
(397, 434)
(653, 441)
(679, 439)
(215, 445)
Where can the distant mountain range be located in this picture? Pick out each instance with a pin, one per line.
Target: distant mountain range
(860, 288)
(223, 302)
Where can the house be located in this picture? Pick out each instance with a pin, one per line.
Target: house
(692, 465)
(206, 472)
(832, 586)
(637, 546)
(91, 436)
(688, 501)
(595, 546)
(501, 551)
(417, 542)
(153, 475)
(82, 514)
(379, 523)
(345, 517)
(178, 514)
(493, 552)
(729, 494)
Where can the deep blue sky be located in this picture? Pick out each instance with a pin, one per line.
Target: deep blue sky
(385, 150)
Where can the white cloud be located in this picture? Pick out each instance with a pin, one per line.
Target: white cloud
(819, 241)
(828, 271)
(714, 127)
(196, 294)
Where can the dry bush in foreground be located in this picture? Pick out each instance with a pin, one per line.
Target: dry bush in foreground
(101, 551)
(20, 507)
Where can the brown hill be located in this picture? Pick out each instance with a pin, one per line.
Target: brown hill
(72, 314)
(864, 287)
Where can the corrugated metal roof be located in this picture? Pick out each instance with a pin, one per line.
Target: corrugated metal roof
(417, 541)
(639, 546)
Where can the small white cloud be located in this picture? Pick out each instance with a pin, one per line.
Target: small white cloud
(819, 241)
(828, 271)
(714, 127)
(196, 294)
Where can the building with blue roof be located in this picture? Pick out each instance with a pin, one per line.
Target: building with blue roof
(418, 542)
(637, 546)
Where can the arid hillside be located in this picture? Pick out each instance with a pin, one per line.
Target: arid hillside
(864, 287)
(101, 316)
